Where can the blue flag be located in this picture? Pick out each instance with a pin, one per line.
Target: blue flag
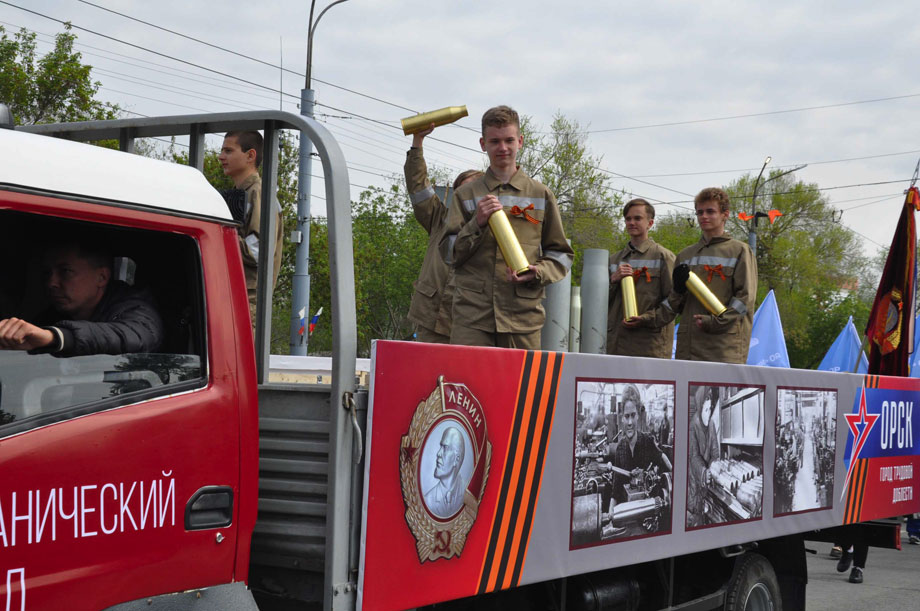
(768, 346)
(842, 354)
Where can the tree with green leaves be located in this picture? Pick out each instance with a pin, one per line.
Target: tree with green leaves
(56, 87)
(590, 208)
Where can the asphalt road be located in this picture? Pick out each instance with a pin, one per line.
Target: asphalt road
(891, 580)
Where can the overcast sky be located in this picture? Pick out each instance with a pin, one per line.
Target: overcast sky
(656, 82)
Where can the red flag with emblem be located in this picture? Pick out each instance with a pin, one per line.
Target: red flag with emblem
(890, 327)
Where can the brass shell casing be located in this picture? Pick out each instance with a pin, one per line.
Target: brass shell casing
(704, 295)
(628, 288)
(508, 242)
(423, 121)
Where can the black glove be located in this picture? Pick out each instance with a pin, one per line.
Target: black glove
(680, 276)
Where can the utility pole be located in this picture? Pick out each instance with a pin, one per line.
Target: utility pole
(300, 299)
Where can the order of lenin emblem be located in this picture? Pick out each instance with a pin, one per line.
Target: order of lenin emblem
(444, 465)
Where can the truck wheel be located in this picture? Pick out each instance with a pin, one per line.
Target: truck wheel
(753, 587)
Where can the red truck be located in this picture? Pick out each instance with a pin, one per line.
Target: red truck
(210, 475)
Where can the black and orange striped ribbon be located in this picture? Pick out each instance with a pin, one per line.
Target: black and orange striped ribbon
(857, 491)
(522, 472)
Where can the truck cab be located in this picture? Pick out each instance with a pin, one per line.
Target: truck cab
(124, 474)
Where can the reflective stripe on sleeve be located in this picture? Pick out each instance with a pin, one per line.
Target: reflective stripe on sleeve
(560, 257)
(58, 339)
(420, 196)
(469, 205)
(252, 243)
(649, 263)
(738, 306)
(709, 260)
(451, 240)
(666, 304)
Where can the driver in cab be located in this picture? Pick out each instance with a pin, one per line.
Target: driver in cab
(89, 312)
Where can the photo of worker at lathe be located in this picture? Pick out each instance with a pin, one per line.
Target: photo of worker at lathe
(806, 432)
(623, 463)
(724, 454)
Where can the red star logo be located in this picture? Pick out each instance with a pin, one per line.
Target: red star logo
(860, 424)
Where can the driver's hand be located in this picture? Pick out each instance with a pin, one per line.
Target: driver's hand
(17, 334)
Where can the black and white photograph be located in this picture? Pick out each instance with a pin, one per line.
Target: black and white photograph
(725, 454)
(623, 463)
(806, 432)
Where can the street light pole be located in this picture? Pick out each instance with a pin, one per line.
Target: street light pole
(300, 299)
(752, 233)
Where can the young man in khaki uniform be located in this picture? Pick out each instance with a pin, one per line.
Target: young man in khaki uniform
(728, 268)
(433, 297)
(241, 157)
(650, 333)
(493, 306)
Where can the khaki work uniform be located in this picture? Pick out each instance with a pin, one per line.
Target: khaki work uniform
(485, 301)
(729, 269)
(431, 301)
(652, 265)
(249, 239)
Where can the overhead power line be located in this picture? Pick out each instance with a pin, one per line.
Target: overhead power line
(877, 201)
(791, 165)
(143, 97)
(611, 172)
(243, 55)
(749, 115)
(173, 89)
(865, 184)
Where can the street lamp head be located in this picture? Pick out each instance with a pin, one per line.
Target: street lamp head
(767, 160)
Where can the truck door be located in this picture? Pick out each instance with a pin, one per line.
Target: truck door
(120, 472)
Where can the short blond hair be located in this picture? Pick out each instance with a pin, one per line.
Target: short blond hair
(500, 116)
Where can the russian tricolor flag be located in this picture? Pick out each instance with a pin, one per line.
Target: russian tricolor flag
(313, 321)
